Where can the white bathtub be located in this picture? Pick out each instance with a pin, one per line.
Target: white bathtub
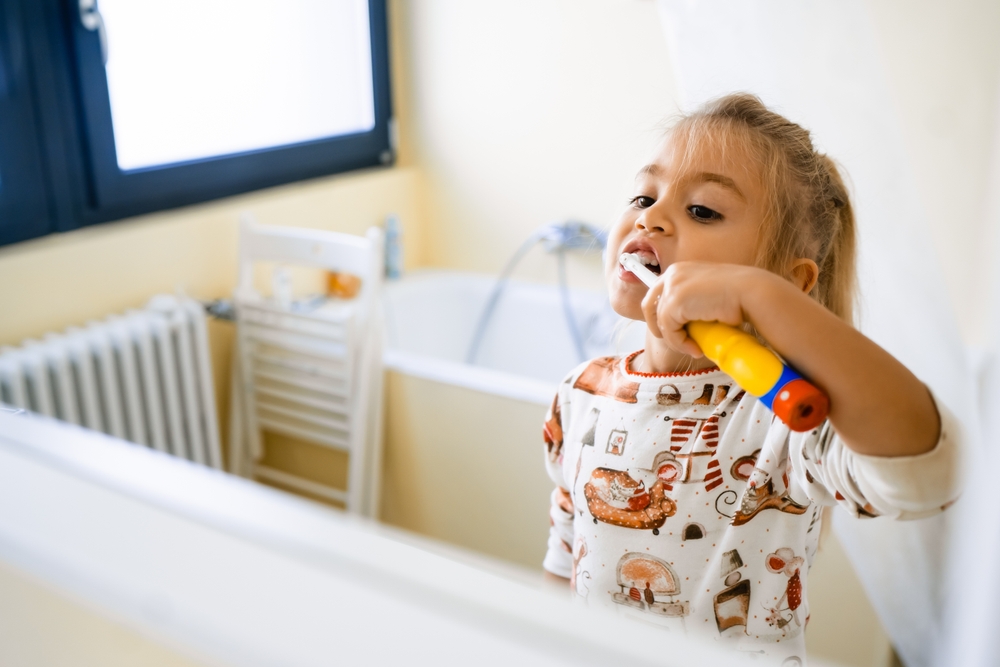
(463, 457)
(527, 347)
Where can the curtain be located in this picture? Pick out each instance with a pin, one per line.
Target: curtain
(974, 608)
(818, 63)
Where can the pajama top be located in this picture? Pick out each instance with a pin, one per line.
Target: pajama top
(682, 501)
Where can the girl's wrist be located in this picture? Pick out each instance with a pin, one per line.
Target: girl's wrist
(759, 291)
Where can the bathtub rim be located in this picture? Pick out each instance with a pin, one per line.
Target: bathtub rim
(477, 378)
(314, 542)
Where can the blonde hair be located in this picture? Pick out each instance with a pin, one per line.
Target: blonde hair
(808, 212)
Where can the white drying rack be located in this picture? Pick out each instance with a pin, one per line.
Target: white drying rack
(312, 373)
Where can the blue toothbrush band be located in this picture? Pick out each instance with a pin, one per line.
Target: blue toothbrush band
(787, 375)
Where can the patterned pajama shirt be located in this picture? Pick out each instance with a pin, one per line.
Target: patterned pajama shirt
(680, 500)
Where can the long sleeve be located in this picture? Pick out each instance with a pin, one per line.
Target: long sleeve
(901, 487)
(559, 556)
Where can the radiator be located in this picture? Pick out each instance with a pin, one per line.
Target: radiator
(144, 376)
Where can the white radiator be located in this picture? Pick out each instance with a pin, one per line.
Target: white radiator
(144, 376)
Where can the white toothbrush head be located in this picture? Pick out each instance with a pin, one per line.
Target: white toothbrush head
(632, 262)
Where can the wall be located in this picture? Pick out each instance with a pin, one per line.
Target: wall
(66, 279)
(528, 112)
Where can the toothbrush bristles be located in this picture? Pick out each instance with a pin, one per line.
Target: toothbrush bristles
(632, 263)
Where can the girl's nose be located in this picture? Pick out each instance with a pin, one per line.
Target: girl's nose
(653, 223)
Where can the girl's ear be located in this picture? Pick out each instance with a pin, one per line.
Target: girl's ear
(804, 273)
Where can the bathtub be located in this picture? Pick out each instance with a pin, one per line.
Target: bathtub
(463, 448)
(527, 348)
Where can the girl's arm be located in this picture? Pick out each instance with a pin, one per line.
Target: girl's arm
(877, 406)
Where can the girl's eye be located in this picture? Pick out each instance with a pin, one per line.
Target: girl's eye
(641, 201)
(703, 213)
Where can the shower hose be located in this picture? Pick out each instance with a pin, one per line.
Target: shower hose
(557, 238)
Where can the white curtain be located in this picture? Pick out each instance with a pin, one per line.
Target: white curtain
(819, 64)
(975, 604)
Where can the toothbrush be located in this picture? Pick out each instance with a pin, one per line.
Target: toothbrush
(795, 400)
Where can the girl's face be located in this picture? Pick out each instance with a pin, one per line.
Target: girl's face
(708, 207)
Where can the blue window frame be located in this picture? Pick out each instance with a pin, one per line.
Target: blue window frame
(23, 204)
(59, 163)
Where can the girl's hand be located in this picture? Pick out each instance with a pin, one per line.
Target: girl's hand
(689, 291)
(856, 374)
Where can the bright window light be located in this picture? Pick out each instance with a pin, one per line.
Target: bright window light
(193, 79)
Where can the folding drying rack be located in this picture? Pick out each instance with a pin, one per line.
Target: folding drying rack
(310, 371)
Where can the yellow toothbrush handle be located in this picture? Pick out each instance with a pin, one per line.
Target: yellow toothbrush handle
(795, 400)
(753, 366)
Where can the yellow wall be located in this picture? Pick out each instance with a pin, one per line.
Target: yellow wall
(528, 112)
(66, 279)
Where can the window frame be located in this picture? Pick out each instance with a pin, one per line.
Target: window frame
(24, 212)
(82, 184)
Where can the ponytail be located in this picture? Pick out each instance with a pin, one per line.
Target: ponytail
(837, 278)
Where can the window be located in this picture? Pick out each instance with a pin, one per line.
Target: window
(128, 106)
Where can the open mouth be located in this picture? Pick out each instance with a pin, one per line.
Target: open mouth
(648, 259)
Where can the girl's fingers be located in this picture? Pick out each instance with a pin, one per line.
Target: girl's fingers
(663, 322)
(650, 304)
(691, 348)
(669, 324)
(656, 312)
(676, 336)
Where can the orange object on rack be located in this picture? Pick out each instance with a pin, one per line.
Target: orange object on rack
(343, 285)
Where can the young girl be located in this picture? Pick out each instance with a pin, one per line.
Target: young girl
(680, 499)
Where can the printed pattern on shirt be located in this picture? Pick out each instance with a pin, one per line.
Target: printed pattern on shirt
(682, 501)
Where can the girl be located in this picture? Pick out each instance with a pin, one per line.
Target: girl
(679, 498)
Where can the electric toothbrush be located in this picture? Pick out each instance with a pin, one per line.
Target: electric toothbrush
(795, 400)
